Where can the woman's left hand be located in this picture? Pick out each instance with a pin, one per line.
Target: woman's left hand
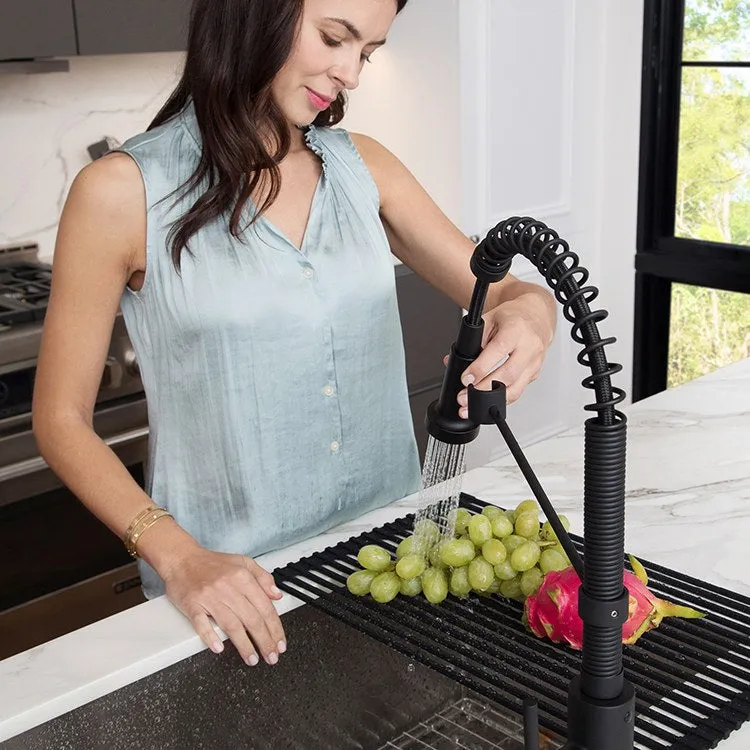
(517, 334)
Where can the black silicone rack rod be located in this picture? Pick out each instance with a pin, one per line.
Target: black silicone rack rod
(539, 493)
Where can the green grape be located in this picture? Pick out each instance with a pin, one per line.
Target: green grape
(530, 581)
(477, 547)
(426, 533)
(551, 560)
(480, 529)
(459, 581)
(511, 589)
(559, 548)
(434, 585)
(525, 557)
(527, 525)
(359, 581)
(463, 516)
(511, 515)
(548, 533)
(543, 543)
(481, 574)
(504, 571)
(411, 586)
(405, 547)
(491, 511)
(373, 557)
(493, 588)
(502, 526)
(527, 506)
(512, 542)
(457, 552)
(385, 587)
(493, 550)
(434, 555)
(411, 566)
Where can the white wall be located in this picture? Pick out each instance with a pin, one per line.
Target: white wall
(618, 176)
(550, 129)
(408, 99)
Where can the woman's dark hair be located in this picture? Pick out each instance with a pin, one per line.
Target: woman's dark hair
(235, 49)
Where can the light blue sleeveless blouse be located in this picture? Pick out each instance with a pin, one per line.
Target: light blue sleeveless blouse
(275, 378)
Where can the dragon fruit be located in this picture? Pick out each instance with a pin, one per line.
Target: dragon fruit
(552, 612)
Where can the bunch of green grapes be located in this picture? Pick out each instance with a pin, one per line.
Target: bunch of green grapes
(504, 552)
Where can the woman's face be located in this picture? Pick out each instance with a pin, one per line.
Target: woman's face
(335, 40)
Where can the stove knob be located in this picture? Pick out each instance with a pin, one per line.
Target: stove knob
(131, 364)
(112, 376)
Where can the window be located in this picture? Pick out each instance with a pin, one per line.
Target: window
(693, 260)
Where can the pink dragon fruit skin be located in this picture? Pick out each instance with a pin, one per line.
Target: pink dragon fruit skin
(552, 612)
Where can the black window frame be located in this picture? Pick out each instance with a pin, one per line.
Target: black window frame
(661, 258)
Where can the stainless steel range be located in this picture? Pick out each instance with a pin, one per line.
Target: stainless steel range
(60, 568)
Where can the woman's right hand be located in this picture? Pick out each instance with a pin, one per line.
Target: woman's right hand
(237, 593)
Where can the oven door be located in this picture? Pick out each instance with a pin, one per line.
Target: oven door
(60, 567)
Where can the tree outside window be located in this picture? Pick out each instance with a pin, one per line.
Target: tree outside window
(710, 328)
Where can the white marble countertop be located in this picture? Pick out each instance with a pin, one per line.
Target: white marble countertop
(688, 495)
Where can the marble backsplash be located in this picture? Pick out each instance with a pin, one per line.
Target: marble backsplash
(48, 120)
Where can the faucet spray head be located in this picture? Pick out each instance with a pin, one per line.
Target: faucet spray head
(442, 419)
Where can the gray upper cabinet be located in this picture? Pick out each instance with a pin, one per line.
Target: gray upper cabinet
(36, 28)
(109, 27)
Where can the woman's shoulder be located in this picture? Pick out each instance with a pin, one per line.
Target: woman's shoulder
(109, 185)
(326, 141)
(157, 138)
(378, 160)
(337, 139)
(383, 165)
(104, 214)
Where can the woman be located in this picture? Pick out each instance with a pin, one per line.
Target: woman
(248, 246)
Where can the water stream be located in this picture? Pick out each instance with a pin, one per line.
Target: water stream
(444, 465)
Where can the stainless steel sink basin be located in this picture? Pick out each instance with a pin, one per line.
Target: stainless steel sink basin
(334, 688)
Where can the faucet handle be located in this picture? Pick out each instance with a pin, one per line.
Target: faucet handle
(530, 724)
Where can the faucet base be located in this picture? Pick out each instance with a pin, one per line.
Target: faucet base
(600, 724)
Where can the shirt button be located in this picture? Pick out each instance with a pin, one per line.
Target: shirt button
(308, 273)
(328, 390)
(335, 446)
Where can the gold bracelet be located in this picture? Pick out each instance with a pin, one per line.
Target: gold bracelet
(143, 521)
(147, 523)
(138, 518)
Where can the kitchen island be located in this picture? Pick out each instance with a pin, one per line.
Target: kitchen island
(688, 508)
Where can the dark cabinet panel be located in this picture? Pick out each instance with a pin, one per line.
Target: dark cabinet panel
(108, 27)
(36, 28)
(429, 321)
(419, 403)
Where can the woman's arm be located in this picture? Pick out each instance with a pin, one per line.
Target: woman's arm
(519, 317)
(94, 257)
(100, 244)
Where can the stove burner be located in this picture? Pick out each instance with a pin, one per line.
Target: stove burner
(24, 291)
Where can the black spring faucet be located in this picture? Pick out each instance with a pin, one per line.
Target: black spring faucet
(601, 702)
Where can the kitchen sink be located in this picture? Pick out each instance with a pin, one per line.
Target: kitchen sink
(334, 688)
